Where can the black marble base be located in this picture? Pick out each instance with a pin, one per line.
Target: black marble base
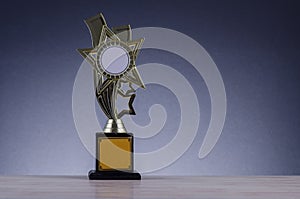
(113, 175)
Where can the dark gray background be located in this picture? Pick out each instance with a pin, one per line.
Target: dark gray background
(255, 45)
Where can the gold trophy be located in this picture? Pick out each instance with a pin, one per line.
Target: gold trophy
(112, 57)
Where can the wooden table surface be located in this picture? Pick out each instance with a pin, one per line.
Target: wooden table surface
(67, 187)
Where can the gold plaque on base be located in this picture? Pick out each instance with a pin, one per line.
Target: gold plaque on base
(115, 153)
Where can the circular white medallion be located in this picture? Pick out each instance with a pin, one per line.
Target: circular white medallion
(114, 60)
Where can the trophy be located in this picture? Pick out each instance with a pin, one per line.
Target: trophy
(112, 57)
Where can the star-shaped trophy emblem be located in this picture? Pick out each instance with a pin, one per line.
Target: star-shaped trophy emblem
(113, 57)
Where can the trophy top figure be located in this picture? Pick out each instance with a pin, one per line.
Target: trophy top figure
(112, 56)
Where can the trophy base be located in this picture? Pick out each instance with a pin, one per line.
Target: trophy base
(113, 175)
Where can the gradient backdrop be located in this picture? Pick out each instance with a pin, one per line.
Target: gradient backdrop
(255, 45)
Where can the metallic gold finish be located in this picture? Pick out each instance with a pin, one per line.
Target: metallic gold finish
(115, 153)
(108, 84)
(112, 57)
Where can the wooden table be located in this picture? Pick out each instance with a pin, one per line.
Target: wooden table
(67, 187)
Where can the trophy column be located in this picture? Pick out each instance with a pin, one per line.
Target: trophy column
(114, 157)
(114, 154)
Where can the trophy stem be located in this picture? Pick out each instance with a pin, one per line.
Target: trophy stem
(114, 126)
